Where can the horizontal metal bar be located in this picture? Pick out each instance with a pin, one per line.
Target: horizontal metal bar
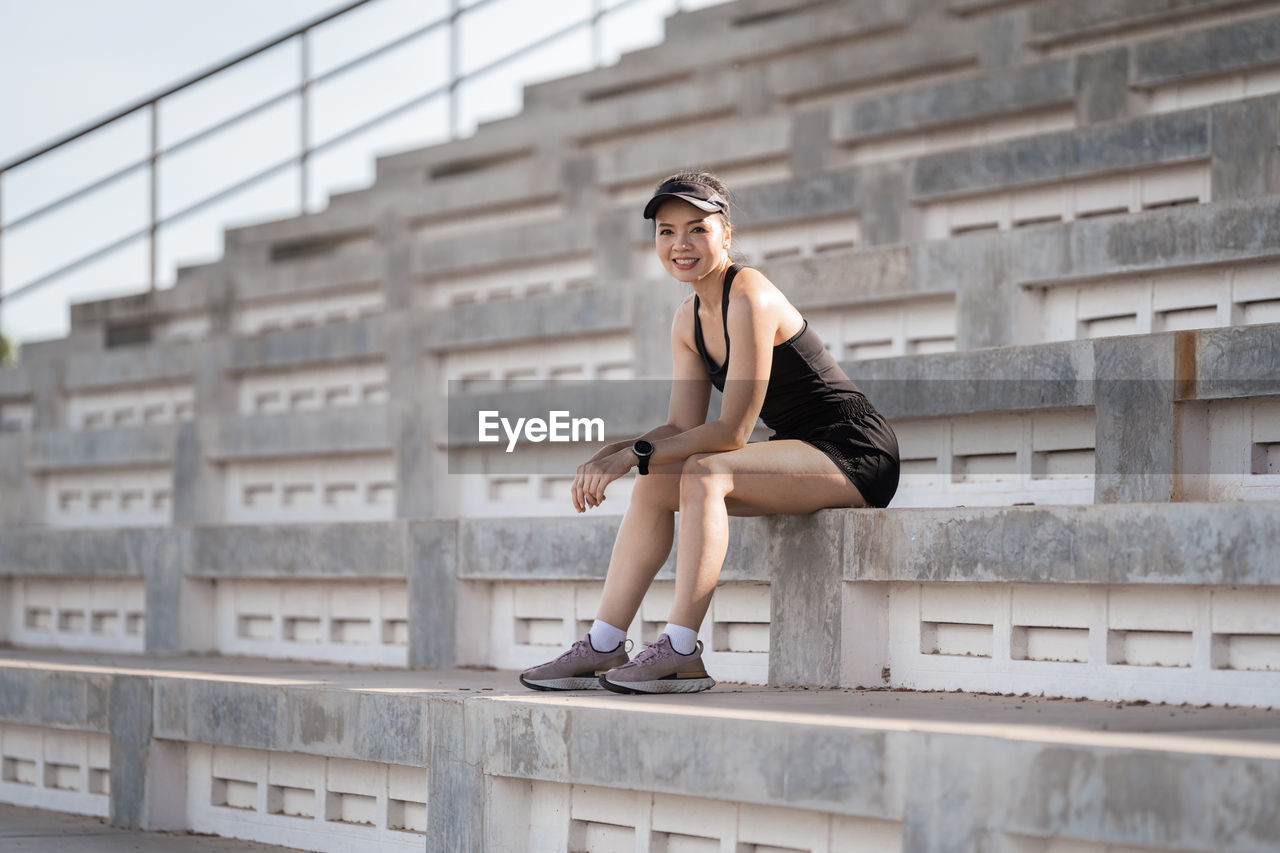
(76, 194)
(85, 260)
(418, 100)
(274, 100)
(143, 232)
(349, 65)
(190, 81)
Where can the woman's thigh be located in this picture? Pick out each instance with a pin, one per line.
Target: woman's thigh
(777, 477)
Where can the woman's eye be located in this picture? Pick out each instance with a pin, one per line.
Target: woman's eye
(665, 231)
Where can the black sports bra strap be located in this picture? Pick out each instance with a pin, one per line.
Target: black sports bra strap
(724, 321)
(729, 275)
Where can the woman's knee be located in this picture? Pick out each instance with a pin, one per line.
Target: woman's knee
(702, 473)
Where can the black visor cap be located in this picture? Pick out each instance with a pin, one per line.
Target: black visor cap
(700, 196)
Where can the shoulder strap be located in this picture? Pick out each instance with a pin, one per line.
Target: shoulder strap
(729, 275)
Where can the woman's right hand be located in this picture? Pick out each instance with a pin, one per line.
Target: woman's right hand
(592, 477)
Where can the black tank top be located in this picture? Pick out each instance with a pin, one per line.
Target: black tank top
(807, 387)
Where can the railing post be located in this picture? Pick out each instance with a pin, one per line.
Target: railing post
(304, 92)
(455, 66)
(154, 213)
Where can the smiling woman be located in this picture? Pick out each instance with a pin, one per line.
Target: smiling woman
(830, 447)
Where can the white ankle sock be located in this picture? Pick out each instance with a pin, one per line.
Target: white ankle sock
(605, 637)
(683, 640)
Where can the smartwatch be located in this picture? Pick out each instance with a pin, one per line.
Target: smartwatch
(643, 450)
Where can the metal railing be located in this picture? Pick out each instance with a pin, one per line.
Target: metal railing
(307, 149)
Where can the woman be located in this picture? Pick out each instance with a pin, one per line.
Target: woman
(736, 331)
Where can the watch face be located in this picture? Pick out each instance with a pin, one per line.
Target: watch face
(643, 448)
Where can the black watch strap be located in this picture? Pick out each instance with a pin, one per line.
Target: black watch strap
(643, 450)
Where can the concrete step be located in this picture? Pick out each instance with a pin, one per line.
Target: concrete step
(1157, 602)
(26, 830)
(470, 761)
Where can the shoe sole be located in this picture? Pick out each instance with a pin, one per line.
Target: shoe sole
(662, 685)
(562, 683)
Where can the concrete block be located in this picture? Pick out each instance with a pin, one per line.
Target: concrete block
(73, 700)
(1067, 20)
(366, 429)
(130, 552)
(883, 215)
(1135, 450)
(649, 159)
(330, 343)
(802, 198)
(1220, 50)
(363, 550)
(456, 779)
(65, 449)
(432, 572)
(131, 727)
(523, 243)
(535, 548)
(992, 380)
(1002, 39)
(1245, 163)
(805, 565)
(1102, 86)
(964, 99)
(872, 275)
(254, 716)
(546, 316)
(149, 365)
(917, 51)
(1182, 544)
(1133, 144)
(1181, 236)
(23, 503)
(1243, 361)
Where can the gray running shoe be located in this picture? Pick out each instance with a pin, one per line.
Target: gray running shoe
(577, 669)
(660, 669)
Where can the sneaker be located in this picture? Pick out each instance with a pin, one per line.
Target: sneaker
(577, 669)
(660, 669)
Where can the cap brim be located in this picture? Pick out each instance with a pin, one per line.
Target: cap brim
(651, 209)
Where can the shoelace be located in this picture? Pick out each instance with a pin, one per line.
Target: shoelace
(578, 649)
(651, 652)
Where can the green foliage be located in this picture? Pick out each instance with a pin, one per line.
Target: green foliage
(8, 354)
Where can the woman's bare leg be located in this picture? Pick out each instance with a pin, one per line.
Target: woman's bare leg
(643, 543)
(777, 477)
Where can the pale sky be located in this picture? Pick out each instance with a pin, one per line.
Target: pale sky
(67, 62)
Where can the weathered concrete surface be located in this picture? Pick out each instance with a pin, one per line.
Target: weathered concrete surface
(433, 577)
(802, 558)
(956, 769)
(1231, 544)
(132, 717)
(971, 98)
(67, 449)
(36, 831)
(366, 429)
(1218, 50)
(1061, 20)
(354, 550)
(128, 552)
(1135, 451)
(292, 348)
(1132, 144)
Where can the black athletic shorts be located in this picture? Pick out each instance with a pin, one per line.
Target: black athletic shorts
(865, 449)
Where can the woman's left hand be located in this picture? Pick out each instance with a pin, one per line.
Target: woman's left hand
(592, 477)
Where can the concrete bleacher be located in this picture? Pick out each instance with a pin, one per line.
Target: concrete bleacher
(247, 593)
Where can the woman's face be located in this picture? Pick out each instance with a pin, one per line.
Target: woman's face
(692, 244)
